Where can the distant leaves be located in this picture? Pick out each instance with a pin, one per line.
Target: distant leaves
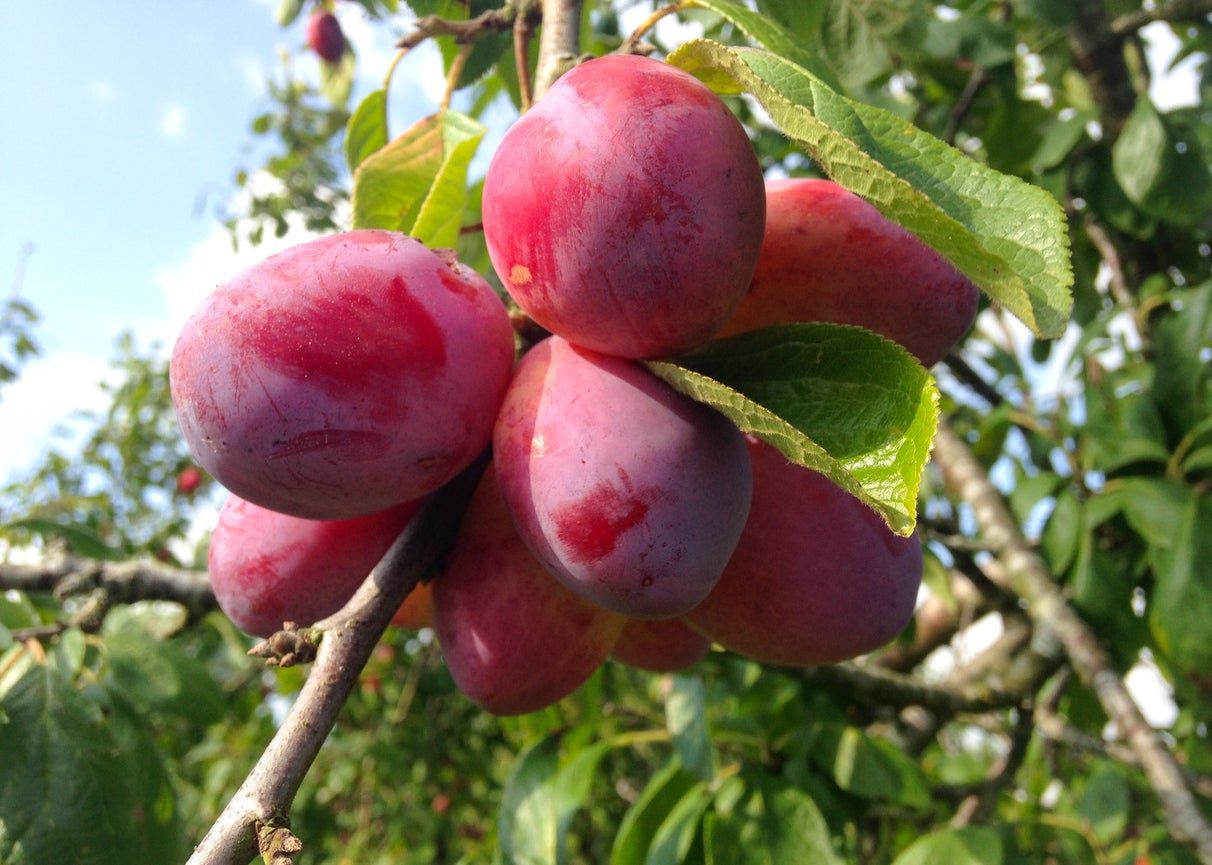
(417, 183)
(968, 846)
(1009, 237)
(66, 788)
(840, 400)
(1161, 169)
(686, 718)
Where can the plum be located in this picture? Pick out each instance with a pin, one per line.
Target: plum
(817, 576)
(624, 212)
(324, 36)
(828, 255)
(417, 610)
(660, 645)
(267, 568)
(514, 638)
(630, 493)
(343, 376)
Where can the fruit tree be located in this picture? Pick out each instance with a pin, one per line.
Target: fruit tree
(789, 441)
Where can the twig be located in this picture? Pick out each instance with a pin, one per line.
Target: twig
(455, 73)
(1172, 11)
(962, 370)
(979, 804)
(263, 800)
(559, 42)
(122, 582)
(631, 45)
(1098, 53)
(1028, 576)
(492, 21)
(523, 29)
(976, 82)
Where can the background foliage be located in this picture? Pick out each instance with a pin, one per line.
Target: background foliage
(124, 728)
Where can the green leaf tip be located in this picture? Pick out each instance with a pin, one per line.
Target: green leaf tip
(838, 399)
(1008, 236)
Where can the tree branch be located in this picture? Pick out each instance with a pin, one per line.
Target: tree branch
(1172, 11)
(259, 809)
(559, 42)
(122, 582)
(1098, 52)
(1028, 576)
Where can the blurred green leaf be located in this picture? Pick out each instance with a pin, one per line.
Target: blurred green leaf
(1104, 803)
(159, 677)
(1160, 169)
(640, 824)
(287, 11)
(81, 541)
(1180, 608)
(840, 400)
(869, 767)
(686, 718)
(971, 845)
(1182, 340)
(1009, 237)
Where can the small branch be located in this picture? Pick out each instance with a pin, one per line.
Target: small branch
(349, 637)
(878, 687)
(978, 806)
(559, 42)
(631, 45)
(122, 582)
(1028, 576)
(456, 72)
(523, 29)
(492, 21)
(1098, 53)
(1107, 251)
(963, 371)
(1173, 11)
(976, 82)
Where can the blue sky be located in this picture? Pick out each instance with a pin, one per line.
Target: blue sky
(123, 126)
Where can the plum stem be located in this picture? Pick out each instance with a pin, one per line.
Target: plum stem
(349, 637)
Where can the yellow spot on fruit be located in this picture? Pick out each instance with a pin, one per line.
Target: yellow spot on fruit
(519, 275)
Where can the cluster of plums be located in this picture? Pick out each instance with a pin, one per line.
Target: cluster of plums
(333, 386)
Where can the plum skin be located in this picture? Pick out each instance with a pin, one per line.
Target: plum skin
(817, 576)
(268, 568)
(342, 376)
(660, 645)
(625, 211)
(515, 639)
(632, 494)
(828, 255)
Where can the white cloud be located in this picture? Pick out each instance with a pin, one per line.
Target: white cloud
(49, 390)
(172, 121)
(102, 91)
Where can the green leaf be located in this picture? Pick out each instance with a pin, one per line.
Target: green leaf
(1182, 384)
(642, 820)
(287, 11)
(418, 183)
(869, 767)
(1161, 169)
(1105, 803)
(971, 845)
(859, 37)
(64, 779)
(81, 541)
(366, 131)
(540, 799)
(1153, 508)
(159, 677)
(767, 31)
(672, 840)
(791, 828)
(337, 79)
(1061, 534)
(686, 718)
(6, 637)
(1180, 608)
(840, 400)
(1008, 236)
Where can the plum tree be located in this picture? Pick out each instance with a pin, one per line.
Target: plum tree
(660, 645)
(268, 568)
(828, 255)
(515, 639)
(816, 577)
(342, 376)
(324, 36)
(624, 212)
(630, 493)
